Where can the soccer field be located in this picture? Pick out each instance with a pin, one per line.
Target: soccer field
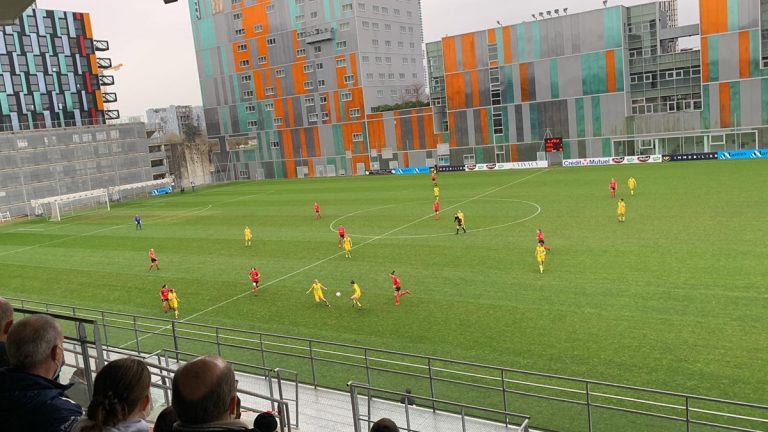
(675, 298)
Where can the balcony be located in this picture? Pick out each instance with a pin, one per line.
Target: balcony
(100, 45)
(106, 80)
(112, 114)
(104, 62)
(109, 97)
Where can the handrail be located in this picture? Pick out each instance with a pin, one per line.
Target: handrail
(501, 380)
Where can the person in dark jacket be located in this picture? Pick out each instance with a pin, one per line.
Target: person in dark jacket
(31, 399)
(6, 321)
(204, 396)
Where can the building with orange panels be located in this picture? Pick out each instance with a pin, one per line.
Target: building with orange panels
(294, 85)
(611, 82)
(50, 75)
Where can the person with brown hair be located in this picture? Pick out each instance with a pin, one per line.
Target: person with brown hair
(385, 425)
(121, 398)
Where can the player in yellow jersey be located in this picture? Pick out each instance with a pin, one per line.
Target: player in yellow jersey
(348, 246)
(173, 302)
(463, 219)
(436, 191)
(632, 183)
(621, 210)
(356, 295)
(317, 290)
(541, 255)
(248, 236)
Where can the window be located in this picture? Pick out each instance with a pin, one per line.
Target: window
(270, 7)
(278, 121)
(308, 68)
(341, 62)
(366, 25)
(245, 78)
(366, 59)
(309, 100)
(274, 144)
(269, 106)
(253, 124)
(237, 16)
(258, 28)
(242, 47)
(245, 63)
(391, 75)
(357, 136)
(388, 43)
(308, 85)
(299, 18)
(387, 27)
(380, 93)
(375, 26)
(341, 44)
(388, 60)
(319, 66)
(346, 96)
(321, 83)
(262, 59)
(344, 26)
(325, 115)
(301, 52)
(313, 15)
(354, 112)
(393, 93)
(369, 76)
(376, 9)
(400, 44)
(403, 29)
(412, 45)
(239, 32)
(312, 117)
(375, 42)
(396, 12)
(269, 91)
(349, 79)
(317, 49)
(361, 7)
(323, 99)
(250, 108)
(379, 60)
(279, 72)
(414, 75)
(410, 29)
(402, 76)
(385, 10)
(382, 75)
(405, 60)
(413, 60)
(271, 41)
(248, 94)
(347, 7)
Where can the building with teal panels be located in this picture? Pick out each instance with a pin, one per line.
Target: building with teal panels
(50, 75)
(611, 82)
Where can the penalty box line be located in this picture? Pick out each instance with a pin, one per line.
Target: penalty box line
(225, 302)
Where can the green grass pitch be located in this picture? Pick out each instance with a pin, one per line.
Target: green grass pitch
(675, 298)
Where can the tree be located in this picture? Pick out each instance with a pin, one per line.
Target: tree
(191, 132)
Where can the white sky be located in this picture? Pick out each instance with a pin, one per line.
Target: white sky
(154, 40)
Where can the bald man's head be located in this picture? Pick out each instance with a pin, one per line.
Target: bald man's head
(204, 391)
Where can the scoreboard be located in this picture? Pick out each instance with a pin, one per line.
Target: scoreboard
(554, 144)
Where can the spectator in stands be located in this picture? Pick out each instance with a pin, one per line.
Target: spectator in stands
(204, 396)
(6, 321)
(385, 425)
(265, 422)
(121, 399)
(407, 399)
(31, 399)
(165, 420)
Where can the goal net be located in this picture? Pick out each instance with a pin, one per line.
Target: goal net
(64, 206)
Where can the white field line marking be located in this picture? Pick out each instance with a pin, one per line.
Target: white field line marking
(538, 210)
(92, 232)
(328, 258)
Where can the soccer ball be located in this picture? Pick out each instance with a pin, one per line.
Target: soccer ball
(338, 293)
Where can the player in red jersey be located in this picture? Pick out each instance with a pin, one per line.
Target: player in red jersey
(612, 187)
(540, 238)
(396, 287)
(436, 208)
(342, 233)
(317, 210)
(255, 275)
(153, 260)
(164, 297)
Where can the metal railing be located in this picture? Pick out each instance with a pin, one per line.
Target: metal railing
(408, 402)
(554, 402)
